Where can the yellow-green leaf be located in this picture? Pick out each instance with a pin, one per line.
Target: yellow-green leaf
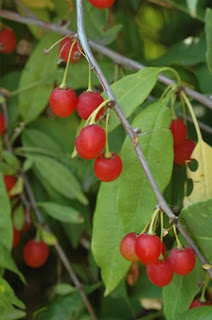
(202, 177)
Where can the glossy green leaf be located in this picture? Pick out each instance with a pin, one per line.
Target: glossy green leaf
(18, 217)
(203, 313)
(62, 213)
(6, 261)
(197, 219)
(136, 199)
(192, 7)
(131, 91)
(107, 235)
(5, 218)
(208, 31)
(63, 308)
(59, 177)
(8, 297)
(40, 70)
(64, 288)
(48, 237)
(10, 159)
(11, 314)
(183, 289)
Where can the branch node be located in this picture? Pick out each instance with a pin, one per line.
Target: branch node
(110, 104)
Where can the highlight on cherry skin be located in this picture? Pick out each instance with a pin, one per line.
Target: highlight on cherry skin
(102, 4)
(127, 247)
(65, 47)
(63, 101)
(88, 102)
(148, 248)
(7, 40)
(108, 169)
(90, 141)
(182, 261)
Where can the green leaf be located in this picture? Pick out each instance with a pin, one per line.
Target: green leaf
(63, 308)
(59, 177)
(6, 169)
(192, 7)
(197, 219)
(11, 160)
(208, 31)
(61, 213)
(18, 187)
(64, 288)
(183, 289)
(48, 237)
(27, 165)
(7, 262)
(107, 235)
(131, 91)
(41, 71)
(18, 217)
(5, 218)
(136, 199)
(8, 297)
(11, 314)
(203, 313)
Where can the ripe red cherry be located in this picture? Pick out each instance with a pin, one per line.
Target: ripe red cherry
(9, 181)
(197, 303)
(183, 151)
(16, 237)
(2, 124)
(108, 169)
(159, 272)
(163, 249)
(90, 142)
(179, 131)
(182, 261)
(35, 253)
(63, 101)
(7, 40)
(64, 49)
(148, 248)
(102, 4)
(87, 103)
(127, 247)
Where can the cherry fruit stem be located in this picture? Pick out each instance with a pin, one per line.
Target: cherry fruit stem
(108, 154)
(152, 223)
(179, 245)
(205, 285)
(63, 84)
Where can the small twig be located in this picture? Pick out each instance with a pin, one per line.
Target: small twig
(39, 216)
(116, 57)
(162, 203)
(25, 9)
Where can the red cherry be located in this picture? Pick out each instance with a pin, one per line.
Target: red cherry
(127, 247)
(63, 101)
(108, 169)
(182, 261)
(163, 249)
(148, 247)
(7, 40)
(179, 131)
(35, 253)
(90, 142)
(16, 237)
(102, 4)
(159, 272)
(2, 124)
(183, 151)
(87, 103)
(196, 303)
(27, 225)
(9, 181)
(65, 47)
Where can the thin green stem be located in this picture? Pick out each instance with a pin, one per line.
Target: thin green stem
(183, 109)
(173, 99)
(38, 234)
(108, 154)
(199, 135)
(205, 285)
(63, 84)
(89, 79)
(179, 245)
(92, 118)
(175, 74)
(54, 44)
(161, 226)
(16, 134)
(151, 230)
(166, 91)
(116, 72)
(20, 90)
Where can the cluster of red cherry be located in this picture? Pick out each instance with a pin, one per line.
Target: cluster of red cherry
(151, 251)
(183, 147)
(35, 252)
